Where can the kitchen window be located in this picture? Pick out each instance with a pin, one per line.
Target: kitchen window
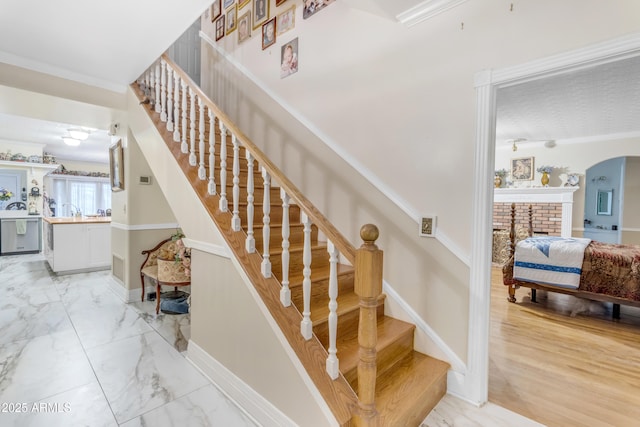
(87, 194)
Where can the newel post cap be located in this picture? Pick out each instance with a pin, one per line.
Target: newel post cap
(369, 233)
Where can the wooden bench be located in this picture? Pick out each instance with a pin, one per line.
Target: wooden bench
(163, 272)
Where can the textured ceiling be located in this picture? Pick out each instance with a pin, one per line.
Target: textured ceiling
(593, 102)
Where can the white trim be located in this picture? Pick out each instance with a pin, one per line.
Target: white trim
(426, 10)
(487, 82)
(395, 198)
(210, 248)
(635, 230)
(143, 227)
(256, 407)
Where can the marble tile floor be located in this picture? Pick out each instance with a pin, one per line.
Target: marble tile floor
(73, 354)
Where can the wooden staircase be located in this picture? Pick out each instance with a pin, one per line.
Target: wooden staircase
(408, 384)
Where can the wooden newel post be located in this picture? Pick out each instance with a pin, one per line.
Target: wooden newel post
(368, 286)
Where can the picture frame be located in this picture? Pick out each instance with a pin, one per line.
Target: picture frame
(243, 3)
(279, 2)
(522, 169)
(219, 27)
(244, 26)
(216, 9)
(289, 58)
(268, 33)
(116, 166)
(260, 13)
(228, 3)
(427, 226)
(232, 19)
(311, 7)
(286, 20)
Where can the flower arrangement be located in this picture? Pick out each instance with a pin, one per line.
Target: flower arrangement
(501, 173)
(5, 194)
(178, 252)
(547, 169)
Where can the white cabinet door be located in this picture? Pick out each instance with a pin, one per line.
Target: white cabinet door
(99, 242)
(70, 247)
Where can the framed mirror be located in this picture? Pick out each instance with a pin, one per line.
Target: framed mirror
(603, 204)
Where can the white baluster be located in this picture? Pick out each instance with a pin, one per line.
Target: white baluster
(202, 171)
(306, 326)
(157, 87)
(266, 232)
(250, 243)
(176, 111)
(163, 90)
(184, 146)
(212, 152)
(285, 292)
(193, 160)
(332, 364)
(223, 204)
(235, 221)
(152, 85)
(169, 98)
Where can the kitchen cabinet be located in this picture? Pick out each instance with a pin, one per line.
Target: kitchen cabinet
(78, 244)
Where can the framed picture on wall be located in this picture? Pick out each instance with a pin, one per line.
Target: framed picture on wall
(228, 3)
(220, 28)
(279, 2)
(268, 33)
(522, 169)
(116, 166)
(260, 13)
(232, 19)
(216, 9)
(289, 58)
(244, 26)
(312, 7)
(243, 3)
(286, 20)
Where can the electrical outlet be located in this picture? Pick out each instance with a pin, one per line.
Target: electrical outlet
(427, 226)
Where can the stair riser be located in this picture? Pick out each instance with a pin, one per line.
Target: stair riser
(275, 216)
(319, 259)
(347, 324)
(320, 289)
(296, 236)
(386, 358)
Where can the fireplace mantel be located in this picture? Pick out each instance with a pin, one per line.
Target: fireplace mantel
(563, 195)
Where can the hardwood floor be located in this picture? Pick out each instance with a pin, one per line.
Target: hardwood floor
(561, 370)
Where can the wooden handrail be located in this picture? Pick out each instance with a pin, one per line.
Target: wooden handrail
(323, 224)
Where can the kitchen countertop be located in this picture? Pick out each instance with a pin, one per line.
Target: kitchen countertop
(17, 214)
(78, 220)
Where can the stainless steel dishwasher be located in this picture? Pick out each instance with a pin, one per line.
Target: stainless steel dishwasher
(27, 241)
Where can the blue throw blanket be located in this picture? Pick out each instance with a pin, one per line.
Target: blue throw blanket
(550, 260)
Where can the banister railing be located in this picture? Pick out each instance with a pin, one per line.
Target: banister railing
(181, 105)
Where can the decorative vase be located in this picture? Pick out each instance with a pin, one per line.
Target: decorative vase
(545, 179)
(497, 181)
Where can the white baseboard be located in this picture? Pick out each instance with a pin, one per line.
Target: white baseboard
(247, 399)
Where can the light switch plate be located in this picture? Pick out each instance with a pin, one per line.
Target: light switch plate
(427, 226)
(145, 180)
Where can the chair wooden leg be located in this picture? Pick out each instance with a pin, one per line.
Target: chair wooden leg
(142, 282)
(157, 298)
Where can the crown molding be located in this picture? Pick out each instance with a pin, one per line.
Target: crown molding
(426, 10)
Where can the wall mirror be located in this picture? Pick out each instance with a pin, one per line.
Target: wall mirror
(604, 201)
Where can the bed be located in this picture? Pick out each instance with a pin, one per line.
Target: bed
(604, 271)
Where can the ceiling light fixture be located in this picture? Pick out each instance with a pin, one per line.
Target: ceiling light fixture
(515, 147)
(71, 141)
(79, 134)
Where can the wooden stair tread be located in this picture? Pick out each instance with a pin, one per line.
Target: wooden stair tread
(406, 395)
(388, 329)
(297, 247)
(320, 309)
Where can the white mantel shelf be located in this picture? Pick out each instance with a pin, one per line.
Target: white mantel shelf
(32, 165)
(562, 195)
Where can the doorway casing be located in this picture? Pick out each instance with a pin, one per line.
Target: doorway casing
(487, 83)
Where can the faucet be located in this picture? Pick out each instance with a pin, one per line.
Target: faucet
(78, 213)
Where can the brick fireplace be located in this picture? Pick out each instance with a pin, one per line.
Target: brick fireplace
(552, 209)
